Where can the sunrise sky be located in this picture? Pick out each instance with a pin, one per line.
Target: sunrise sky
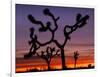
(81, 40)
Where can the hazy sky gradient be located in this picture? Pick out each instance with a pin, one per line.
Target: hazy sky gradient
(81, 40)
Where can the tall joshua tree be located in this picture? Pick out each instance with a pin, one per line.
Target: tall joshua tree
(76, 56)
(48, 55)
(68, 30)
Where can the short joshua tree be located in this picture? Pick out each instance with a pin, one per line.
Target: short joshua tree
(48, 55)
(76, 56)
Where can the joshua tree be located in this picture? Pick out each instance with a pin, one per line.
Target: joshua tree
(48, 55)
(76, 56)
(68, 30)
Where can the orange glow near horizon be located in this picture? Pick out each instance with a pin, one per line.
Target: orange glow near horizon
(23, 69)
(53, 66)
(24, 65)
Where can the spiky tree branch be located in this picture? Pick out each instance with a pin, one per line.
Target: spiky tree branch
(33, 43)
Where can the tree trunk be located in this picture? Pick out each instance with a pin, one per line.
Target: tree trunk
(63, 58)
(75, 64)
(48, 65)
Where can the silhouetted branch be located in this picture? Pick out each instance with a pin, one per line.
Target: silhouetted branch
(30, 54)
(47, 12)
(33, 43)
(80, 22)
(34, 21)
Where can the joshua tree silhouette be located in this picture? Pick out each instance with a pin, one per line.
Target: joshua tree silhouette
(76, 56)
(48, 55)
(68, 30)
